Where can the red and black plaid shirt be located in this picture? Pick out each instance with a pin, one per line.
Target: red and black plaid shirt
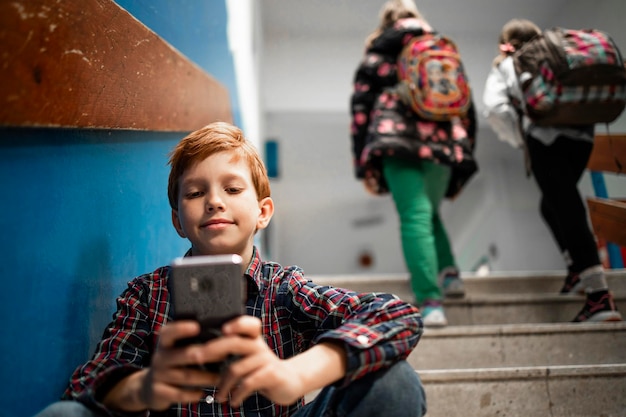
(376, 330)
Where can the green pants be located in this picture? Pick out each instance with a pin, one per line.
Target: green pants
(417, 190)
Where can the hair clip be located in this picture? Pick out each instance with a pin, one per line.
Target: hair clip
(507, 48)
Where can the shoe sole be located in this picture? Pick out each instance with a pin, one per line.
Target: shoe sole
(605, 316)
(438, 324)
(435, 319)
(454, 293)
(454, 289)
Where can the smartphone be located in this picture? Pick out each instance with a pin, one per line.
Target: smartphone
(207, 289)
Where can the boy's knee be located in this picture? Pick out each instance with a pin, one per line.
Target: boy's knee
(397, 390)
(400, 380)
(66, 409)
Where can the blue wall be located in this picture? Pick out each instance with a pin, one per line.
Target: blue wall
(84, 211)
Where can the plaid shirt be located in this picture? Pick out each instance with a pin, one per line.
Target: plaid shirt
(376, 330)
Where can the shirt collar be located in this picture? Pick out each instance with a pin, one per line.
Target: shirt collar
(255, 268)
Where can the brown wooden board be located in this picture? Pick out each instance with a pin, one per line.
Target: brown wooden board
(608, 218)
(609, 154)
(90, 64)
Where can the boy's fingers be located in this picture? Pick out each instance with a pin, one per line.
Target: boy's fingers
(242, 337)
(245, 325)
(169, 355)
(238, 371)
(173, 331)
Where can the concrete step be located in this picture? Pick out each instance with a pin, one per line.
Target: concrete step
(517, 308)
(538, 282)
(510, 350)
(495, 299)
(499, 346)
(555, 391)
(523, 282)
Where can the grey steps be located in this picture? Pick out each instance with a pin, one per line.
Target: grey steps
(510, 350)
(499, 346)
(544, 282)
(540, 282)
(518, 308)
(495, 299)
(554, 391)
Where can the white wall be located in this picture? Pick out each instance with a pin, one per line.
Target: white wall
(324, 219)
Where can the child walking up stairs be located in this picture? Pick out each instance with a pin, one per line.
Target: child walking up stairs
(510, 350)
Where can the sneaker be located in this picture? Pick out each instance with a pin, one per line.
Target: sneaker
(432, 314)
(572, 285)
(598, 307)
(451, 283)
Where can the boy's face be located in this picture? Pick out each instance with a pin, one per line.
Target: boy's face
(218, 210)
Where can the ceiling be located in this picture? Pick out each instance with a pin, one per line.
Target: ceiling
(347, 18)
(322, 41)
(310, 48)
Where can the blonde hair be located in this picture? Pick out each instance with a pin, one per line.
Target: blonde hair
(390, 13)
(211, 139)
(515, 32)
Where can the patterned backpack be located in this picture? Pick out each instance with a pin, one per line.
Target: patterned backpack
(432, 79)
(571, 77)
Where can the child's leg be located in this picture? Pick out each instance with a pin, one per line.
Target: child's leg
(408, 189)
(557, 169)
(396, 391)
(437, 178)
(67, 409)
(552, 220)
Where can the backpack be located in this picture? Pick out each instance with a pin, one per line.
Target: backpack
(571, 77)
(432, 79)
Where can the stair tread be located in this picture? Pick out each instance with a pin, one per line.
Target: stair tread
(522, 372)
(520, 298)
(522, 328)
(493, 276)
(510, 348)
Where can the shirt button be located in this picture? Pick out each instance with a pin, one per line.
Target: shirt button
(362, 339)
(209, 399)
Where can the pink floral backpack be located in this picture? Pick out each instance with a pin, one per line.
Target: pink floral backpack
(432, 79)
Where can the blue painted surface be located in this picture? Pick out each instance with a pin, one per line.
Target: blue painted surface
(272, 160)
(85, 211)
(613, 251)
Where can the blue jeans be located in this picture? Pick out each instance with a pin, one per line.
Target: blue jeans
(396, 391)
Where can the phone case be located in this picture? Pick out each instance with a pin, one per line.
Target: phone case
(208, 289)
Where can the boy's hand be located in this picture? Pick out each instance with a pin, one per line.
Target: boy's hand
(257, 369)
(170, 379)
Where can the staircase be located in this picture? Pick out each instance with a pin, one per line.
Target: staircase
(509, 349)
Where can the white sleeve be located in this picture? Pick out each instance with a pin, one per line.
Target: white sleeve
(499, 111)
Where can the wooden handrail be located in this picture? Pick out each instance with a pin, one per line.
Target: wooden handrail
(609, 154)
(608, 215)
(90, 64)
(608, 218)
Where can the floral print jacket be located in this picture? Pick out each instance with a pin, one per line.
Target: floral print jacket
(382, 125)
